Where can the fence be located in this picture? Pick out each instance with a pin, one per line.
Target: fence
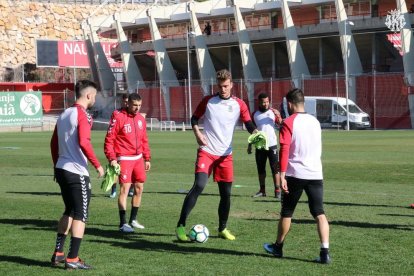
(383, 96)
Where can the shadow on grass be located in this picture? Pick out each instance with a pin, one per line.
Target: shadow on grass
(184, 193)
(345, 204)
(24, 261)
(185, 248)
(347, 224)
(397, 215)
(45, 194)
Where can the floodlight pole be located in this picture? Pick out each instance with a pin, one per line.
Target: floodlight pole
(188, 35)
(346, 74)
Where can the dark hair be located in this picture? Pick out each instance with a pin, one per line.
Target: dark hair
(295, 96)
(263, 95)
(134, 97)
(223, 75)
(82, 85)
(125, 96)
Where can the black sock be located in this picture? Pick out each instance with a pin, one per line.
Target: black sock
(224, 204)
(134, 212)
(74, 247)
(324, 250)
(60, 242)
(122, 217)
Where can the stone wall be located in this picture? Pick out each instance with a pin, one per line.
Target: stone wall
(22, 22)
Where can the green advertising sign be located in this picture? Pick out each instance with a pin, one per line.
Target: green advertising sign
(17, 108)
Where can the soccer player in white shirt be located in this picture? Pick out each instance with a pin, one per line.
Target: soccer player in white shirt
(221, 113)
(266, 118)
(301, 170)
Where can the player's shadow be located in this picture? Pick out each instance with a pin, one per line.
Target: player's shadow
(185, 193)
(36, 193)
(42, 193)
(183, 248)
(23, 261)
(344, 223)
(397, 215)
(347, 204)
(357, 224)
(32, 175)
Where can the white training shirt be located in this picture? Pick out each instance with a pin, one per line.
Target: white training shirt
(301, 147)
(265, 121)
(220, 119)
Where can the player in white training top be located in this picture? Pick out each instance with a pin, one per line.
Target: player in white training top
(266, 118)
(301, 170)
(221, 113)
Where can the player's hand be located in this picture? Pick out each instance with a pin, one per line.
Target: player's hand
(100, 171)
(147, 166)
(201, 140)
(249, 149)
(114, 163)
(275, 111)
(283, 185)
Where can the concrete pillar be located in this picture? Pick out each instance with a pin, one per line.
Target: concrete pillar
(91, 58)
(297, 62)
(165, 70)
(349, 51)
(407, 43)
(132, 74)
(106, 77)
(251, 69)
(204, 61)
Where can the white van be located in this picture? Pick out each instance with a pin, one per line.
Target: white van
(331, 112)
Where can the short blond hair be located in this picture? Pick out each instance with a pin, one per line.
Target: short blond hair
(224, 75)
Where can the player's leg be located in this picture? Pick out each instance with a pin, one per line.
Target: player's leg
(189, 202)
(136, 203)
(223, 175)
(273, 156)
(138, 179)
(314, 191)
(261, 159)
(289, 203)
(80, 196)
(113, 191)
(125, 180)
(203, 168)
(65, 221)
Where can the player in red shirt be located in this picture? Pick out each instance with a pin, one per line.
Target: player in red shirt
(71, 149)
(221, 113)
(126, 143)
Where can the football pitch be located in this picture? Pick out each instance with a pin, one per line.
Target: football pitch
(369, 184)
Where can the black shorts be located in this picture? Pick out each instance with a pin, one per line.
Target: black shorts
(314, 191)
(76, 193)
(261, 158)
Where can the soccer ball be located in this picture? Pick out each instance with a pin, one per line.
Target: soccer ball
(199, 233)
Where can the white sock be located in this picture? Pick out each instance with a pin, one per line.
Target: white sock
(325, 245)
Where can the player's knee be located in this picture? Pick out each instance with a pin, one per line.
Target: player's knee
(80, 215)
(287, 213)
(317, 212)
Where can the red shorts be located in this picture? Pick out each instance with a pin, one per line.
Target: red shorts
(221, 166)
(132, 171)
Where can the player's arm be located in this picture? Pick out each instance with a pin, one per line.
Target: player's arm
(146, 153)
(245, 117)
(201, 139)
(84, 136)
(199, 112)
(285, 139)
(110, 139)
(278, 117)
(54, 147)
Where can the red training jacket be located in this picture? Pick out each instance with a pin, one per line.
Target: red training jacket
(126, 136)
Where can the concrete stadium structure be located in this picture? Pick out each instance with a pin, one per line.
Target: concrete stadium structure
(256, 40)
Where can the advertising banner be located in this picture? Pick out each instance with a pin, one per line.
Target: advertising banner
(17, 108)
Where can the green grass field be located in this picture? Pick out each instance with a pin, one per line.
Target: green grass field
(369, 184)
